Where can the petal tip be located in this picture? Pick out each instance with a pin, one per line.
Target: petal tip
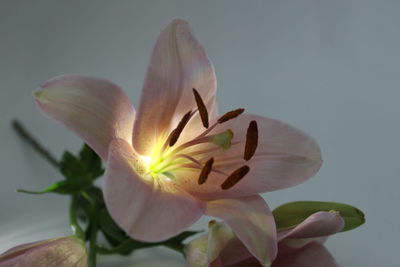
(266, 263)
(38, 93)
(180, 28)
(178, 22)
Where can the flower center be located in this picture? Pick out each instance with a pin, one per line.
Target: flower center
(169, 157)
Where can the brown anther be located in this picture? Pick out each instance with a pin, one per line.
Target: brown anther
(202, 108)
(206, 171)
(235, 177)
(178, 130)
(230, 115)
(211, 223)
(251, 140)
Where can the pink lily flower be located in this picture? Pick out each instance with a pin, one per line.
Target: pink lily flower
(57, 252)
(175, 159)
(301, 246)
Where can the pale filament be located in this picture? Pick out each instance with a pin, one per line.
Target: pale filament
(177, 165)
(195, 166)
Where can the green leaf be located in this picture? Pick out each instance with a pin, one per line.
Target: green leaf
(62, 187)
(291, 214)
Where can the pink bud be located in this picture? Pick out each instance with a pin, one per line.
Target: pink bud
(56, 252)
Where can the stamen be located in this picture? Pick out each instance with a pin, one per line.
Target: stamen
(230, 115)
(189, 158)
(178, 130)
(202, 108)
(235, 177)
(251, 140)
(205, 171)
(207, 131)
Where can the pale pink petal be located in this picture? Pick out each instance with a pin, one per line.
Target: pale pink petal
(319, 224)
(95, 109)
(178, 64)
(285, 156)
(235, 253)
(252, 222)
(312, 255)
(59, 252)
(148, 210)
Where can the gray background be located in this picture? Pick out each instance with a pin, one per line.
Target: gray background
(328, 67)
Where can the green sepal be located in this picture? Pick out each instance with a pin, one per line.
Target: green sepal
(62, 187)
(71, 167)
(86, 166)
(223, 139)
(91, 161)
(291, 214)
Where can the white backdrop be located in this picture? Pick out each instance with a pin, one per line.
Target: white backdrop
(330, 68)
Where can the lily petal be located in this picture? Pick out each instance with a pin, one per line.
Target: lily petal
(178, 64)
(313, 254)
(148, 210)
(252, 221)
(318, 224)
(95, 109)
(285, 157)
(235, 253)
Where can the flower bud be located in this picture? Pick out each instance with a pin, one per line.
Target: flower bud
(56, 252)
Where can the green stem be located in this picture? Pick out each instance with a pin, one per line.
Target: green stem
(73, 220)
(131, 244)
(89, 199)
(25, 135)
(174, 246)
(126, 245)
(93, 239)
